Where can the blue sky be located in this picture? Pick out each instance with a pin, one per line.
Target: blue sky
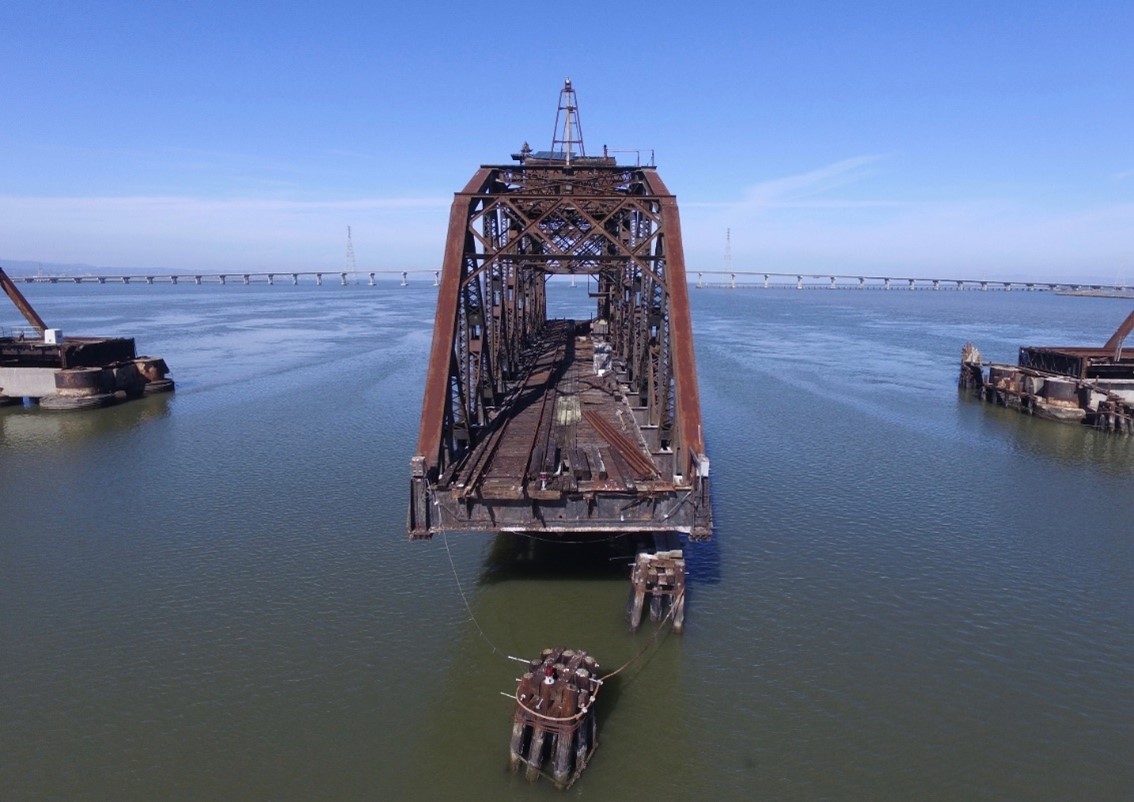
(954, 139)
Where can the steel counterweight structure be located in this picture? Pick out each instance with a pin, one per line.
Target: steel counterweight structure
(537, 425)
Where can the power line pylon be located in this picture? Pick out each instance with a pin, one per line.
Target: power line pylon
(728, 256)
(350, 263)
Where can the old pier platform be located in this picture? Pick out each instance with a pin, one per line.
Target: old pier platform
(71, 372)
(1075, 384)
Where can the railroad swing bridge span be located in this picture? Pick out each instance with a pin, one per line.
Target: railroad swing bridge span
(562, 427)
(566, 429)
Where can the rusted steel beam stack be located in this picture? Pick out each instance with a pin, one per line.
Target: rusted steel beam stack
(554, 721)
(660, 577)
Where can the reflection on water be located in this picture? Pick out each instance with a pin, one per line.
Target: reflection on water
(1074, 444)
(517, 557)
(32, 428)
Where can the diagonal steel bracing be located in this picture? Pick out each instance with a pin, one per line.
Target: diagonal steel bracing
(510, 229)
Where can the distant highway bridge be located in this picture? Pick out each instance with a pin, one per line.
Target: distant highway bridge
(739, 279)
(234, 276)
(766, 279)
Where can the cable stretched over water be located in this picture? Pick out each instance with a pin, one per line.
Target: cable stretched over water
(465, 599)
(600, 680)
(674, 604)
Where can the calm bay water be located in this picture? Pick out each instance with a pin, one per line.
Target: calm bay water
(209, 595)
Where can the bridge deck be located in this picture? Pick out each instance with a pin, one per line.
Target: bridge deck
(565, 452)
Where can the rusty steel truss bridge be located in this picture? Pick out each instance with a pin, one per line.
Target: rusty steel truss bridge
(562, 427)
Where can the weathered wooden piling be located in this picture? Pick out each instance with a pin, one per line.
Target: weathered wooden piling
(972, 377)
(661, 577)
(554, 718)
(1114, 416)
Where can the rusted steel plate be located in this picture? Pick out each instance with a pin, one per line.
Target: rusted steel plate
(445, 323)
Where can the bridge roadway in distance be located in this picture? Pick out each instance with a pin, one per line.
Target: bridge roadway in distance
(236, 277)
(738, 279)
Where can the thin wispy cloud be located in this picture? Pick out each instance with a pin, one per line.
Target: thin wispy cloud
(807, 190)
(965, 237)
(801, 186)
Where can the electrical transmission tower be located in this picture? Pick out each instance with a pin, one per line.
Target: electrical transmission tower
(728, 256)
(350, 263)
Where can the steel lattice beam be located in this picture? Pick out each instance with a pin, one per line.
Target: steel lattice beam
(509, 230)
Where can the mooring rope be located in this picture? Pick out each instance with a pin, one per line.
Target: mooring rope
(675, 602)
(465, 599)
(677, 599)
(555, 720)
(600, 680)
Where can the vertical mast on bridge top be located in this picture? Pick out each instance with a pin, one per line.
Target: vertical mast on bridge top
(572, 129)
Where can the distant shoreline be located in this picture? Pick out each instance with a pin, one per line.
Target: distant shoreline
(1128, 294)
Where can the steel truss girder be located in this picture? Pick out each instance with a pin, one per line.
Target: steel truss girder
(509, 229)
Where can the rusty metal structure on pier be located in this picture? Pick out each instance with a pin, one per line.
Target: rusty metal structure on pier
(1074, 384)
(71, 373)
(562, 426)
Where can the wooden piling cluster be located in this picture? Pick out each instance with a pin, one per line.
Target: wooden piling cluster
(554, 716)
(661, 577)
(1115, 416)
(972, 374)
